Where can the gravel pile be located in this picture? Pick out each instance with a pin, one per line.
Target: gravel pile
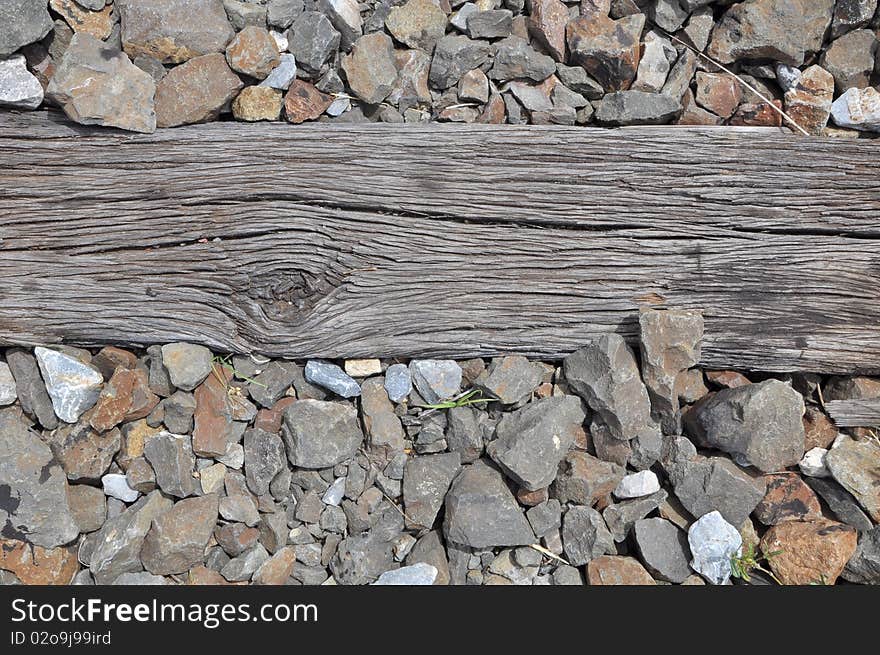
(181, 466)
(162, 63)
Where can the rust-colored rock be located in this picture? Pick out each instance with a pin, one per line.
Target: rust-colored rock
(277, 569)
(609, 50)
(546, 24)
(693, 114)
(758, 114)
(809, 101)
(820, 431)
(788, 498)
(253, 52)
(97, 23)
(532, 498)
(213, 415)
(257, 103)
(807, 552)
(195, 92)
(494, 112)
(35, 565)
(616, 570)
(110, 358)
(201, 575)
(727, 379)
(126, 397)
(84, 454)
(718, 92)
(304, 102)
(270, 419)
(134, 436)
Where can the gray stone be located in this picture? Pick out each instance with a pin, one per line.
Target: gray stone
(8, 393)
(533, 440)
(510, 379)
(669, 343)
(606, 375)
(436, 379)
(713, 541)
(179, 409)
(239, 508)
(173, 31)
(115, 485)
(88, 506)
(858, 109)
(851, 14)
(264, 458)
(426, 481)
(172, 459)
(850, 60)
(361, 559)
(636, 485)
(864, 566)
(516, 59)
(668, 14)
(481, 512)
(282, 13)
(345, 17)
(160, 381)
(414, 574)
(761, 421)
(382, 425)
(187, 364)
(576, 79)
(332, 377)
(856, 466)
(24, 22)
(429, 550)
(313, 40)
(609, 50)
(761, 29)
(464, 432)
(244, 14)
(18, 88)
(320, 434)
(32, 394)
(655, 63)
(118, 544)
(637, 108)
(490, 24)
(679, 79)
(140, 578)
(813, 463)
(176, 542)
(663, 549)
(33, 488)
(842, 503)
(282, 75)
(585, 535)
(567, 575)
(621, 517)
(268, 386)
(243, 567)
(398, 382)
(454, 56)
(72, 385)
(787, 77)
(545, 517)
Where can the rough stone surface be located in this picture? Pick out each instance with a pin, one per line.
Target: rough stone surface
(264, 458)
(320, 434)
(436, 379)
(253, 52)
(455, 55)
(761, 29)
(115, 485)
(195, 92)
(585, 535)
(664, 549)
(617, 570)
(858, 109)
(125, 397)
(788, 498)
(303, 102)
(856, 466)
(621, 517)
(809, 100)
(426, 481)
(371, 68)
(713, 541)
(398, 382)
(24, 22)
(809, 552)
(636, 485)
(850, 60)
(177, 539)
(546, 23)
(83, 453)
(18, 88)
(31, 389)
(716, 483)
(283, 74)
(608, 50)
(187, 364)
(332, 377)
(510, 379)
(417, 24)
(72, 385)
(841, 503)
(412, 575)
(864, 566)
(637, 108)
(171, 457)
(585, 480)
(313, 40)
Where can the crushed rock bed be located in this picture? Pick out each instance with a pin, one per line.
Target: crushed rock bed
(177, 465)
(163, 63)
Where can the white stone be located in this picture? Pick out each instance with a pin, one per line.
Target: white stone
(813, 463)
(18, 88)
(335, 492)
(713, 541)
(655, 63)
(858, 109)
(416, 574)
(8, 392)
(337, 108)
(636, 485)
(116, 486)
(280, 40)
(787, 76)
(361, 368)
(346, 17)
(283, 74)
(73, 386)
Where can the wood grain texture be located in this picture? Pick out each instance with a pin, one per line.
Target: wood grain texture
(453, 241)
(864, 413)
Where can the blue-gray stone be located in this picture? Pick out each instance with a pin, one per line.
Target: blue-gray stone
(713, 541)
(436, 379)
(73, 386)
(398, 382)
(330, 376)
(415, 574)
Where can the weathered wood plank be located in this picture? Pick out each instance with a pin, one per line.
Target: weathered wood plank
(863, 413)
(376, 240)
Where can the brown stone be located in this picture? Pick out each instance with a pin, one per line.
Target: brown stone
(532, 498)
(84, 454)
(201, 575)
(88, 506)
(126, 397)
(235, 538)
(35, 565)
(809, 102)
(140, 476)
(807, 552)
(609, 50)
(177, 539)
(134, 436)
(758, 114)
(494, 112)
(760, 29)
(616, 570)
(417, 24)
(690, 385)
(720, 93)
(277, 569)
(788, 498)
(257, 103)
(727, 379)
(585, 480)
(97, 23)
(370, 67)
(820, 431)
(270, 419)
(253, 52)
(303, 102)
(110, 358)
(473, 86)
(546, 24)
(213, 426)
(411, 88)
(852, 388)
(196, 91)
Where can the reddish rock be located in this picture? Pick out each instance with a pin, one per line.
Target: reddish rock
(720, 93)
(84, 454)
(820, 431)
(788, 498)
(110, 358)
(35, 565)
(126, 397)
(253, 52)
(807, 552)
(235, 538)
(411, 86)
(727, 379)
(270, 419)
(616, 570)
(277, 569)
(809, 101)
(213, 416)
(201, 575)
(532, 498)
(758, 114)
(473, 86)
(546, 24)
(196, 91)
(609, 50)
(304, 102)
(494, 112)
(134, 436)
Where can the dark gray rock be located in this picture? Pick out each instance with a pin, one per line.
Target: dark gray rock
(24, 22)
(268, 386)
(264, 458)
(637, 108)
(576, 79)
(510, 379)
(361, 559)
(33, 487)
(429, 550)
(179, 409)
(172, 459)
(515, 59)
(856, 466)
(663, 549)
(32, 394)
(851, 14)
(281, 13)
(243, 14)
(606, 375)
(585, 535)
(176, 542)
(332, 377)
(841, 502)
(454, 56)
(545, 517)
(426, 480)
(490, 24)
(567, 575)
(436, 379)
(320, 434)
(160, 381)
(481, 512)
(621, 517)
(716, 483)
(239, 508)
(187, 364)
(464, 433)
(533, 440)
(313, 40)
(762, 422)
(864, 566)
